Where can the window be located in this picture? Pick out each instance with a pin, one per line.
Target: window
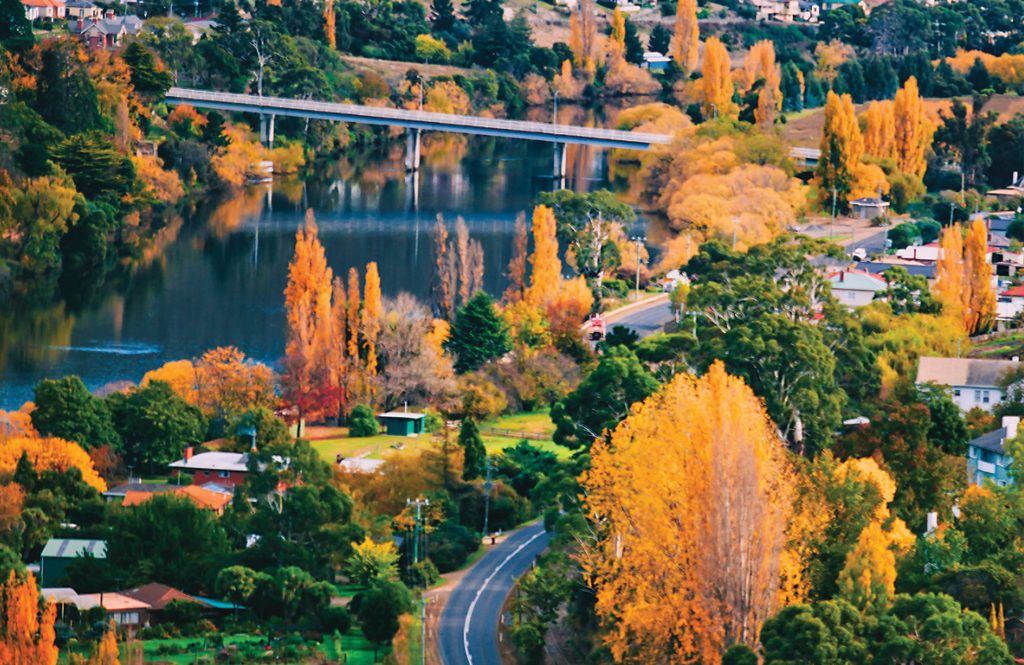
(972, 452)
(985, 398)
(224, 474)
(956, 392)
(977, 395)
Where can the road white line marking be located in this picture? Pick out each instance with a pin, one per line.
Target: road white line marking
(479, 592)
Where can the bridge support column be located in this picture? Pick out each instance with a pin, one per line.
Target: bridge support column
(559, 166)
(267, 129)
(412, 150)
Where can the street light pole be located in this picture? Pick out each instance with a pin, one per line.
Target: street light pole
(833, 222)
(554, 115)
(487, 496)
(419, 503)
(638, 240)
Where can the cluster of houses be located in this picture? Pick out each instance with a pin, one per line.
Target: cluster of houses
(97, 27)
(806, 11)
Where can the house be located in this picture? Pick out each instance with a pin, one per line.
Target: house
(360, 464)
(810, 12)
(136, 486)
(1010, 303)
(83, 9)
(58, 553)
(855, 288)
(402, 423)
(974, 382)
(785, 11)
(655, 62)
(107, 32)
(913, 268)
(128, 613)
(44, 10)
(158, 597)
(868, 208)
(986, 455)
(930, 253)
(202, 497)
(226, 469)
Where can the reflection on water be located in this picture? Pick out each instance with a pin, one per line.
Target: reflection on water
(215, 275)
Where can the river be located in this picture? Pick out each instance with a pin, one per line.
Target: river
(216, 277)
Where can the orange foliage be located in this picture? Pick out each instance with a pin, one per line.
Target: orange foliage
(566, 83)
(186, 118)
(760, 65)
(912, 130)
(686, 40)
(239, 159)
(964, 277)
(49, 454)
(716, 86)
(330, 25)
(546, 266)
(879, 127)
(1008, 67)
(842, 147)
(106, 652)
(372, 309)
(688, 556)
(164, 186)
(26, 638)
(180, 375)
(17, 423)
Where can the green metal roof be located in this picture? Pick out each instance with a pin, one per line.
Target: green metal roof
(70, 548)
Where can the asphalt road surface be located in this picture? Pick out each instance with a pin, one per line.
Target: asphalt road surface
(468, 632)
(645, 320)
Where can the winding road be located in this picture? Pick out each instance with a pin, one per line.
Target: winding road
(646, 317)
(468, 631)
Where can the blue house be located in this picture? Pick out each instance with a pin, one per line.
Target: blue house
(987, 458)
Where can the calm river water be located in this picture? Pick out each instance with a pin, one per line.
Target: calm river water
(217, 277)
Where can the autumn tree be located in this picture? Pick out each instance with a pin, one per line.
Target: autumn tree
(617, 40)
(978, 296)
(308, 311)
(879, 130)
(912, 131)
(546, 268)
(106, 651)
(949, 274)
(372, 310)
(469, 256)
(352, 315)
(686, 39)
(330, 25)
(49, 454)
(716, 85)
(516, 290)
(841, 174)
(760, 68)
(26, 638)
(687, 558)
(228, 383)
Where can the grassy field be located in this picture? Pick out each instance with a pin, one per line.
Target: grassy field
(497, 434)
(1003, 346)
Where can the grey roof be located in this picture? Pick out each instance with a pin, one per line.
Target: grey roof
(975, 372)
(108, 26)
(403, 415)
(991, 441)
(878, 267)
(870, 202)
(124, 488)
(214, 461)
(80, 4)
(70, 548)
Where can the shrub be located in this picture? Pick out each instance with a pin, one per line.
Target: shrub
(421, 574)
(363, 422)
(336, 619)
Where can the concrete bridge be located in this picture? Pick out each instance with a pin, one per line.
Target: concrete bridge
(415, 122)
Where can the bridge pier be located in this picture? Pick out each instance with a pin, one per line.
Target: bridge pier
(267, 129)
(559, 166)
(412, 149)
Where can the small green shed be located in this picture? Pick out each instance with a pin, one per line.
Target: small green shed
(402, 423)
(60, 552)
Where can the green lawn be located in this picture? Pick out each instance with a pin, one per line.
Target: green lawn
(355, 647)
(536, 423)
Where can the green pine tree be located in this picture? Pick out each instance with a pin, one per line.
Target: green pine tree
(478, 335)
(476, 454)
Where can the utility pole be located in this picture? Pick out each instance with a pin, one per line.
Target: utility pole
(554, 115)
(423, 630)
(487, 495)
(420, 504)
(639, 240)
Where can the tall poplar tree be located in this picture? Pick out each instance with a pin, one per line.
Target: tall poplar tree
(912, 131)
(544, 262)
(687, 36)
(841, 149)
(372, 310)
(879, 128)
(716, 85)
(979, 296)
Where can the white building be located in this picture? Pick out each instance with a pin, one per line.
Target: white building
(855, 288)
(973, 382)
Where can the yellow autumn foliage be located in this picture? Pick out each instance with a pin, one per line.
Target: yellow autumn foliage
(49, 454)
(1009, 67)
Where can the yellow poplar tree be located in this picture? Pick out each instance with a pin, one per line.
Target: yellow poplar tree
(912, 130)
(49, 454)
(716, 85)
(686, 40)
(372, 310)
(949, 274)
(979, 297)
(879, 130)
(617, 43)
(352, 314)
(544, 262)
(688, 553)
(841, 148)
(868, 578)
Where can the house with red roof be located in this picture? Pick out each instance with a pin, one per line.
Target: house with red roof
(44, 10)
(1010, 303)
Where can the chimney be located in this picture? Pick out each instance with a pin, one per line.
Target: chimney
(1010, 424)
(842, 276)
(81, 23)
(933, 522)
(188, 453)
(110, 13)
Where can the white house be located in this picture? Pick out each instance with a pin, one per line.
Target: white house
(929, 253)
(1010, 303)
(973, 382)
(49, 10)
(987, 459)
(855, 288)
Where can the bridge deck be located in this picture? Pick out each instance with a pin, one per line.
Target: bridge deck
(534, 131)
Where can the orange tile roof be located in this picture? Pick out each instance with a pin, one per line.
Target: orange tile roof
(202, 497)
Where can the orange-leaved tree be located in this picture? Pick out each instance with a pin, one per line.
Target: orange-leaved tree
(372, 309)
(687, 558)
(330, 22)
(26, 637)
(352, 314)
(686, 39)
(912, 130)
(545, 264)
(879, 127)
(308, 308)
(49, 454)
(517, 264)
(979, 297)
(106, 651)
(949, 274)
(716, 86)
(841, 175)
